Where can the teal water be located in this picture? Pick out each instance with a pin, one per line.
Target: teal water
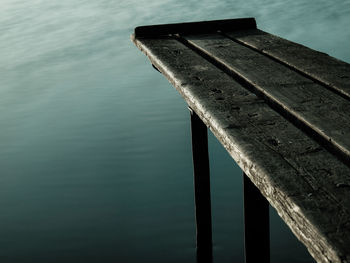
(94, 144)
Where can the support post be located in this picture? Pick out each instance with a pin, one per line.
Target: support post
(201, 188)
(256, 224)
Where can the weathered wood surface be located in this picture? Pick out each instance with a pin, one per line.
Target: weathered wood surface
(307, 185)
(309, 104)
(320, 66)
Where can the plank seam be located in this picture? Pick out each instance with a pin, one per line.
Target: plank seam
(294, 120)
(299, 71)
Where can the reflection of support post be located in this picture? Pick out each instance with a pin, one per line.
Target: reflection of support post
(256, 224)
(201, 188)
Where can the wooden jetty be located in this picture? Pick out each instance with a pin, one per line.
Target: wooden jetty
(281, 110)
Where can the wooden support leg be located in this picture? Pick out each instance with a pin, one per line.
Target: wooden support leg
(256, 224)
(201, 188)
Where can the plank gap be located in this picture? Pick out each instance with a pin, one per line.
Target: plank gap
(294, 68)
(294, 120)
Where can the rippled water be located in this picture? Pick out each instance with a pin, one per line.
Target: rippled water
(94, 144)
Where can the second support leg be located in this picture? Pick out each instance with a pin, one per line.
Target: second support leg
(201, 187)
(256, 224)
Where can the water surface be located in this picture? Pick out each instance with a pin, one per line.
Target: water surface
(95, 151)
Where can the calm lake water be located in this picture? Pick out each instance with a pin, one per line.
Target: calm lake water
(95, 150)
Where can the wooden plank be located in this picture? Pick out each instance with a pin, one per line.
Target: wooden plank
(320, 66)
(310, 194)
(319, 111)
(195, 27)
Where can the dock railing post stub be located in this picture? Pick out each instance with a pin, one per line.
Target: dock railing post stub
(256, 224)
(194, 27)
(201, 188)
